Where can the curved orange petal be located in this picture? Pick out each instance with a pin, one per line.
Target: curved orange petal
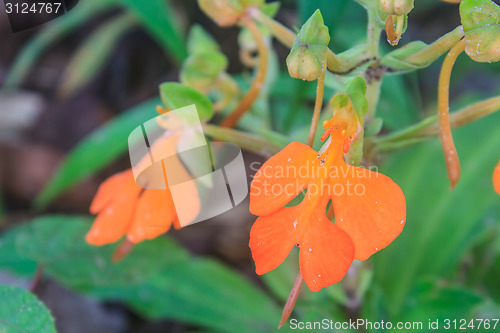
(281, 178)
(272, 238)
(109, 188)
(153, 216)
(326, 253)
(369, 207)
(116, 201)
(496, 178)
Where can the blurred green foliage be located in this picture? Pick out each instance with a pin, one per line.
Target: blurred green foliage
(20, 311)
(445, 264)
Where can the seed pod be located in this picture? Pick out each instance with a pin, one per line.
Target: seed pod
(307, 58)
(480, 19)
(396, 7)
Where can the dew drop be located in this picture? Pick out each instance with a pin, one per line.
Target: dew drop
(295, 224)
(310, 250)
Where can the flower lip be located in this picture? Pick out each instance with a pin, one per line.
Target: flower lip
(366, 221)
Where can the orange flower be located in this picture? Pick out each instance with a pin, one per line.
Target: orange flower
(124, 208)
(496, 178)
(369, 208)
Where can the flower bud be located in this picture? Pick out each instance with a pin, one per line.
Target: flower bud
(227, 12)
(201, 70)
(480, 19)
(307, 58)
(396, 7)
(224, 12)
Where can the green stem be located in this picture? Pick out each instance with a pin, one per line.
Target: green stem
(244, 140)
(287, 37)
(373, 40)
(373, 95)
(374, 31)
(429, 127)
(433, 51)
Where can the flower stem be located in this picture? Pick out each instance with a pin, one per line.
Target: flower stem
(252, 94)
(283, 34)
(433, 51)
(320, 89)
(292, 298)
(247, 141)
(122, 250)
(429, 127)
(37, 279)
(450, 152)
(287, 37)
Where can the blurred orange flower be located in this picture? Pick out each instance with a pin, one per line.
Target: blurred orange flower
(125, 209)
(496, 178)
(369, 209)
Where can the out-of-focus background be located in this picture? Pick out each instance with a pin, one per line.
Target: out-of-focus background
(98, 67)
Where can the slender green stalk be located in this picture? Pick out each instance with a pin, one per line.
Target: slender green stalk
(287, 37)
(433, 51)
(317, 107)
(373, 40)
(244, 140)
(429, 127)
(374, 31)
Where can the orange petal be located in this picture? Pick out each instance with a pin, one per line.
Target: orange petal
(326, 253)
(496, 179)
(115, 210)
(281, 178)
(110, 188)
(369, 207)
(153, 215)
(272, 238)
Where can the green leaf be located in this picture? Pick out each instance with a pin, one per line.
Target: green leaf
(158, 279)
(430, 300)
(57, 243)
(442, 225)
(92, 55)
(96, 151)
(10, 259)
(176, 95)
(158, 17)
(270, 8)
(22, 312)
(480, 19)
(207, 293)
(54, 31)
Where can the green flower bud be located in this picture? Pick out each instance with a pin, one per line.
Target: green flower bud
(200, 71)
(307, 58)
(396, 7)
(481, 22)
